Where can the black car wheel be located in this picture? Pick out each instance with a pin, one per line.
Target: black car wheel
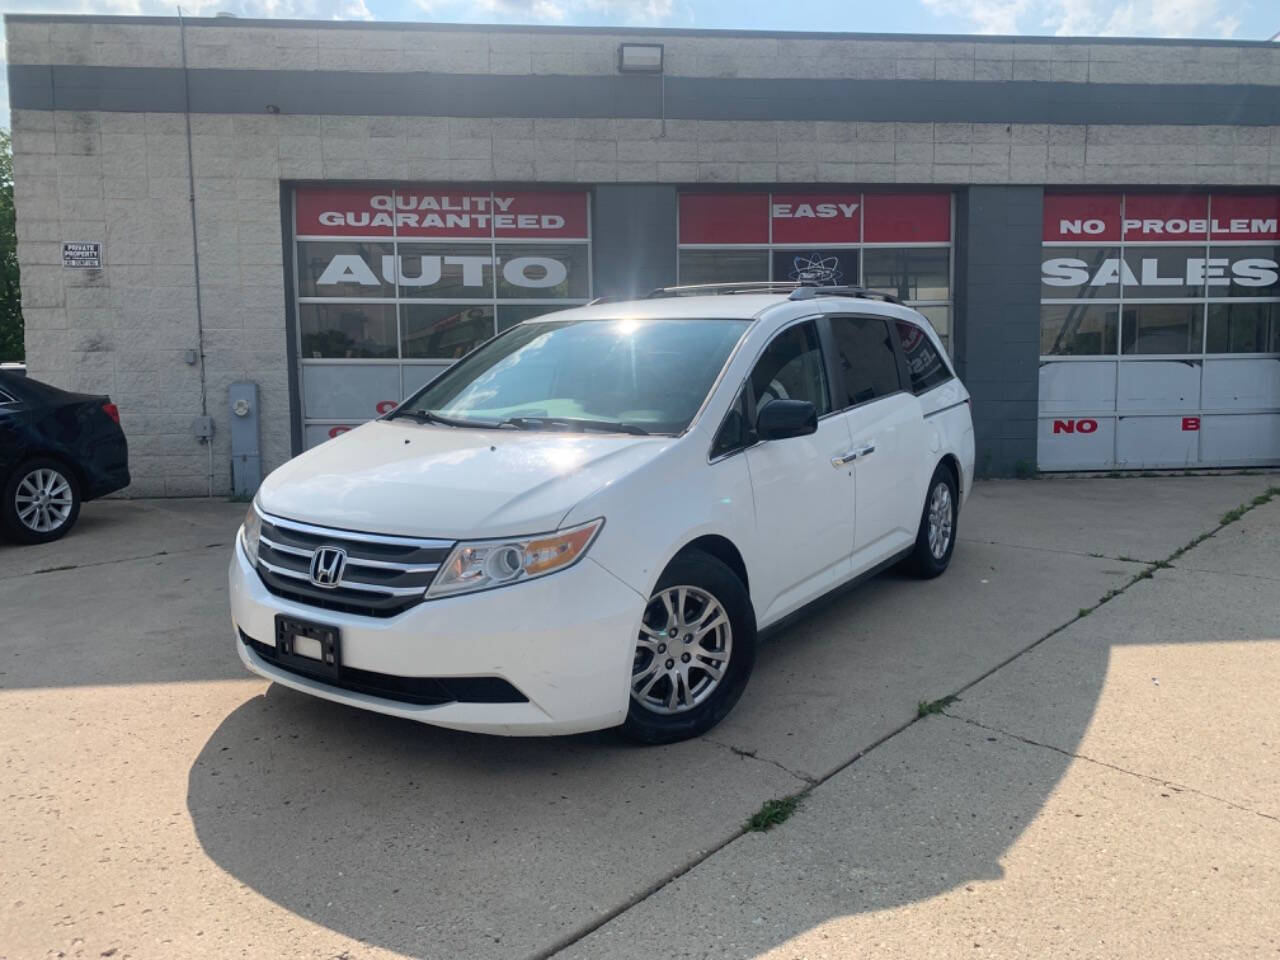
(694, 652)
(41, 502)
(936, 539)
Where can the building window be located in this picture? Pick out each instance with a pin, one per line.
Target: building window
(899, 244)
(394, 283)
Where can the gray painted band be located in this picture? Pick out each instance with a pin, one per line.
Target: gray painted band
(343, 93)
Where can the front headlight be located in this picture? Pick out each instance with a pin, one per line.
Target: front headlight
(482, 564)
(250, 532)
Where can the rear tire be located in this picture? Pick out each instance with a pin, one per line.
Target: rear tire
(41, 501)
(694, 653)
(936, 539)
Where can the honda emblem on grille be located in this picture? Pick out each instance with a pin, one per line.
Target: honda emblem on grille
(327, 565)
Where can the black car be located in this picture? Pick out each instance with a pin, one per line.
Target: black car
(57, 449)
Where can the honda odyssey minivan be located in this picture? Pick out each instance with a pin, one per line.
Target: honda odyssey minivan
(586, 522)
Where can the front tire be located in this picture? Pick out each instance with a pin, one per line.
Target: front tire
(936, 539)
(41, 501)
(694, 653)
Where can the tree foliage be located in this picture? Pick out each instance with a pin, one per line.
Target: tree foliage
(11, 347)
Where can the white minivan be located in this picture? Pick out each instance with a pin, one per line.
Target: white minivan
(585, 522)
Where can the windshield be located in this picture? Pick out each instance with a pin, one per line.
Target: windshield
(631, 376)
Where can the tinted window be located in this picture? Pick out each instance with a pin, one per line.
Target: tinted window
(866, 357)
(791, 369)
(925, 364)
(6, 400)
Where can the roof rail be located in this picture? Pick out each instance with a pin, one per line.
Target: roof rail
(802, 290)
(706, 289)
(812, 291)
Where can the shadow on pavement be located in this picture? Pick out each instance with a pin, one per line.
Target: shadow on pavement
(438, 844)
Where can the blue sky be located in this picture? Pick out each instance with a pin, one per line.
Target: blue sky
(1243, 19)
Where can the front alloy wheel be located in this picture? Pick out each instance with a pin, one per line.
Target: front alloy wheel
(694, 651)
(683, 650)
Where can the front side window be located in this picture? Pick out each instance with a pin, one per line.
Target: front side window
(791, 368)
(866, 357)
(925, 364)
(636, 376)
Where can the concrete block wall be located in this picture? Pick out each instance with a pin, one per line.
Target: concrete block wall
(121, 176)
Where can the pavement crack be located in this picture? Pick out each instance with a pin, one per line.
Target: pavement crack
(755, 755)
(1159, 781)
(1069, 553)
(102, 563)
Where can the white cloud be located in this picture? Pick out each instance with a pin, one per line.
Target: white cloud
(984, 16)
(648, 12)
(1093, 18)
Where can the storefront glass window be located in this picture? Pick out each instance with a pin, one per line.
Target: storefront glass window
(347, 330)
(396, 283)
(1243, 328)
(896, 243)
(1078, 329)
(1163, 327)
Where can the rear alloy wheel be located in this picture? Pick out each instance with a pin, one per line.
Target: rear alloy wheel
(936, 538)
(41, 502)
(694, 651)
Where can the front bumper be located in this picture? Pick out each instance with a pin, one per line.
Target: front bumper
(566, 641)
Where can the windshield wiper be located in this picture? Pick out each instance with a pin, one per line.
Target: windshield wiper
(580, 423)
(430, 416)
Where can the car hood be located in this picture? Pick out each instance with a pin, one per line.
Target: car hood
(400, 477)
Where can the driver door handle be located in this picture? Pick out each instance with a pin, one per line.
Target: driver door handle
(853, 455)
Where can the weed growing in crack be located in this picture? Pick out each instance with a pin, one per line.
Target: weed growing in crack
(927, 707)
(772, 813)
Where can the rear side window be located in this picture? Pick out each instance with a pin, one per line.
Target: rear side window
(867, 359)
(6, 400)
(925, 363)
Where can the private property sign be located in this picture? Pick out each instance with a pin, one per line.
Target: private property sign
(82, 254)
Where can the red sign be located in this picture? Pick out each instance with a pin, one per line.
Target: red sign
(815, 217)
(426, 212)
(1081, 217)
(724, 218)
(1171, 217)
(1075, 426)
(1191, 423)
(1186, 217)
(1245, 217)
(907, 217)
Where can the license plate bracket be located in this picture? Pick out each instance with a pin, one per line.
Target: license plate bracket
(306, 647)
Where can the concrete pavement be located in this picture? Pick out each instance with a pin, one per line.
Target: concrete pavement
(162, 803)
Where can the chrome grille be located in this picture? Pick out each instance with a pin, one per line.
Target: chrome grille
(384, 575)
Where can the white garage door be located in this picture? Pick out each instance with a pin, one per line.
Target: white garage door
(1159, 331)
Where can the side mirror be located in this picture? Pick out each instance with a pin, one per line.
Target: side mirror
(780, 419)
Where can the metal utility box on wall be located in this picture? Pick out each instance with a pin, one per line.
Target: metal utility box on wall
(246, 457)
